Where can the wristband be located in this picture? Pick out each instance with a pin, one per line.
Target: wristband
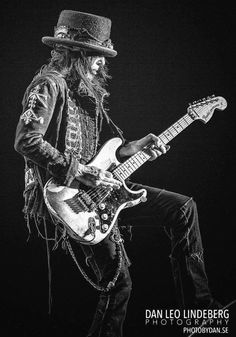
(82, 169)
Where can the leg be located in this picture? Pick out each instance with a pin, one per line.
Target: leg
(111, 309)
(178, 214)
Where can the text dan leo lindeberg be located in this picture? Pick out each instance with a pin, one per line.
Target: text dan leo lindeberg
(196, 316)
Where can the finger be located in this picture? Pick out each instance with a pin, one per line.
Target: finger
(112, 181)
(108, 174)
(159, 144)
(153, 137)
(153, 155)
(108, 177)
(103, 175)
(109, 184)
(94, 171)
(105, 178)
(164, 148)
(161, 147)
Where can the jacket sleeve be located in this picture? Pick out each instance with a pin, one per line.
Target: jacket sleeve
(38, 109)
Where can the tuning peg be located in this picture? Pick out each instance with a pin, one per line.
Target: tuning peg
(210, 97)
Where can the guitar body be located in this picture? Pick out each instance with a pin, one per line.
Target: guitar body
(90, 213)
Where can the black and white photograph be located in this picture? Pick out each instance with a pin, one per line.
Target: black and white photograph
(118, 154)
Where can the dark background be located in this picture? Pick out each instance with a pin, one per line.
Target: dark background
(170, 53)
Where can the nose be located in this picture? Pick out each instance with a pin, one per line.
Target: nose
(100, 61)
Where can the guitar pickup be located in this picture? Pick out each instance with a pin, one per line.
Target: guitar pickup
(81, 202)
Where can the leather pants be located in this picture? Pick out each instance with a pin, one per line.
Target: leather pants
(178, 215)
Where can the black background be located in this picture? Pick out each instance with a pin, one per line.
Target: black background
(170, 53)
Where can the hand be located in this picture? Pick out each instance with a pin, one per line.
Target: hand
(156, 147)
(93, 177)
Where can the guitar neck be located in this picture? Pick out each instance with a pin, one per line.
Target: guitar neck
(124, 170)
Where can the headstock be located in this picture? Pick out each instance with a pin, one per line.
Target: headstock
(203, 109)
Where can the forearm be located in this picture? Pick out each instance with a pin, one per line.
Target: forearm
(152, 143)
(35, 148)
(125, 150)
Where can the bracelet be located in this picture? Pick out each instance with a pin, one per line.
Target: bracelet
(91, 170)
(87, 169)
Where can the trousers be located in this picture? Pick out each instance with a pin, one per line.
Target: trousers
(179, 216)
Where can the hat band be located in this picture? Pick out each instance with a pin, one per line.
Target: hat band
(80, 35)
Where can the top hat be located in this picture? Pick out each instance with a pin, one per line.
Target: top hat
(82, 31)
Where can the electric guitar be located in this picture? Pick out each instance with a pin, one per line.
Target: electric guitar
(89, 214)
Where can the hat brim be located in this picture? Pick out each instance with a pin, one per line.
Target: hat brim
(77, 45)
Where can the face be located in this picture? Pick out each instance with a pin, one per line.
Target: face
(96, 63)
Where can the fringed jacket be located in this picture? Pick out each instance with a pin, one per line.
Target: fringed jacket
(57, 130)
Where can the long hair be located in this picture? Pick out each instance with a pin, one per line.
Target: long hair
(74, 67)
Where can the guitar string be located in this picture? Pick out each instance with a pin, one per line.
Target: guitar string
(95, 190)
(100, 191)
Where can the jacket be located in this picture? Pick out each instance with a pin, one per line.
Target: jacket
(55, 132)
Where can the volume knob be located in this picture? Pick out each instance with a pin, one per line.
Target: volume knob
(104, 216)
(105, 227)
(102, 206)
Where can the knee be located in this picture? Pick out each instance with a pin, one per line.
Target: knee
(184, 217)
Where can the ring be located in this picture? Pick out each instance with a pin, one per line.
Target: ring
(101, 175)
(93, 171)
(98, 182)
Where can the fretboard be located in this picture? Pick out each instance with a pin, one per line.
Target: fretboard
(124, 170)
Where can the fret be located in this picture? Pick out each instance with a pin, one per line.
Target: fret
(173, 131)
(132, 169)
(124, 175)
(125, 171)
(119, 173)
(178, 127)
(128, 164)
(143, 156)
(133, 162)
(139, 160)
(168, 135)
(183, 123)
(127, 167)
(187, 119)
(163, 138)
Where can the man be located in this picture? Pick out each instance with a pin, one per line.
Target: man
(62, 126)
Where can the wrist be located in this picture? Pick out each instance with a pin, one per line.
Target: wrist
(128, 149)
(86, 169)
